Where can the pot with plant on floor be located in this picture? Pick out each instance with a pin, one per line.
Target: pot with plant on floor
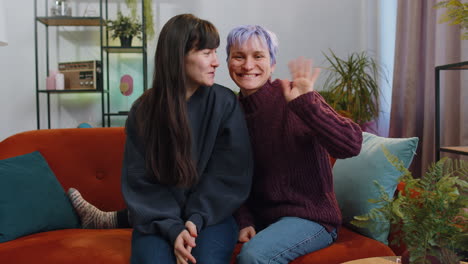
(124, 28)
(428, 214)
(351, 87)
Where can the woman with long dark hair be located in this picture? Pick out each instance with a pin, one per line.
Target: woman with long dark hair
(187, 163)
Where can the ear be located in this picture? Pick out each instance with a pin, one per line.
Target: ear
(273, 68)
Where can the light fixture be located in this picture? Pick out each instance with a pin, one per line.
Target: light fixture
(3, 25)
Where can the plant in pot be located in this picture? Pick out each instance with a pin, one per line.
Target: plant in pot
(428, 214)
(124, 28)
(351, 87)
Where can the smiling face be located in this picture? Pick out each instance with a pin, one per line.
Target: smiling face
(200, 67)
(250, 65)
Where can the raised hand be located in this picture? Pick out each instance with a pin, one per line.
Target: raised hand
(304, 77)
(246, 234)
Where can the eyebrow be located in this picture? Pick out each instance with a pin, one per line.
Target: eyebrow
(255, 51)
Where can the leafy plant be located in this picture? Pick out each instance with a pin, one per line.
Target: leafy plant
(430, 211)
(456, 14)
(124, 26)
(351, 87)
(147, 13)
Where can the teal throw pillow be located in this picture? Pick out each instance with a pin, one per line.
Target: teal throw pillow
(354, 179)
(31, 198)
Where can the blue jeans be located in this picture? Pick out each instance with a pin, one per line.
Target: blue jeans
(284, 241)
(215, 245)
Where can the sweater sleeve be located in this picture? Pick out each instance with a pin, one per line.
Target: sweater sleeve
(340, 136)
(244, 217)
(152, 206)
(225, 183)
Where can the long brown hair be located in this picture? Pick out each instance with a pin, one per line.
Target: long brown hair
(162, 115)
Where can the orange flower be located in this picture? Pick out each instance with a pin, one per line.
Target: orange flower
(401, 188)
(413, 193)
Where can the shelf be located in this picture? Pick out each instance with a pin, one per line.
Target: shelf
(121, 113)
(80, 24)
(72, 91)
(454, 66)
(71, 21)
(116, 49)
(462, 150)
(456, 150)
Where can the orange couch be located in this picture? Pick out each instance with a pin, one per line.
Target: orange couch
(90, 159)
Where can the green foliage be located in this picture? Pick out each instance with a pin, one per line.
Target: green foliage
(147, 13)
(124, 26)
(351, 87)
(456, 14)
(429, 211)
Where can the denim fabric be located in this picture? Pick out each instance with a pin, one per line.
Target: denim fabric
(215, 245)
(284, 241)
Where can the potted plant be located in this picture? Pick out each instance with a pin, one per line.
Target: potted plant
(430, 212)
(351, 86)
(124, 28)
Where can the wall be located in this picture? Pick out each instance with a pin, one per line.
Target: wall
(304, 27)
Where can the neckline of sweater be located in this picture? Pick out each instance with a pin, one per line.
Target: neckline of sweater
(266, 95)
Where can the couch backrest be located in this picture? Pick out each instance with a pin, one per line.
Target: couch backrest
(88, 159)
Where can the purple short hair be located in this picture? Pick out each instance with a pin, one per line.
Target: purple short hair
(239, 35)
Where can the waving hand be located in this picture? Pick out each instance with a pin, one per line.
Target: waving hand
(304, 77)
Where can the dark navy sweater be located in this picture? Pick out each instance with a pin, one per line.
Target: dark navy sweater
(291, 144)
(222, 153)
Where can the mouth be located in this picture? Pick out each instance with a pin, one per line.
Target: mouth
(247, 76)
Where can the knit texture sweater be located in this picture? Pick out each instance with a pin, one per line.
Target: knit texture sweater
(291, 145)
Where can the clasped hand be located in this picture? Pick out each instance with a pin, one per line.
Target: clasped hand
(184, 243)
(303, 78)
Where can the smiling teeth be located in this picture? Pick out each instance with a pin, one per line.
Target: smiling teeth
(248, 75)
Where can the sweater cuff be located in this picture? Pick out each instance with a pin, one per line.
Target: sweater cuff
(245, 224)
(305, 99)
(197, 220)
(174, 232)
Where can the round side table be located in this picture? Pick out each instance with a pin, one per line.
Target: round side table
(376, 260)
(381, 260)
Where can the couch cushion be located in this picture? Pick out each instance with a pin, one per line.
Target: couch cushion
(71, 246)
(88, 159)
(354, 179)
(31, 198)
(349, 246)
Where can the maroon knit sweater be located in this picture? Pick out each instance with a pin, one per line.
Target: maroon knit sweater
(291, 144)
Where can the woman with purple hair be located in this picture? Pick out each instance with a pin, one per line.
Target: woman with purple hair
(292, 209)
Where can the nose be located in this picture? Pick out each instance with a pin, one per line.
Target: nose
(215, 62)
(248, 64)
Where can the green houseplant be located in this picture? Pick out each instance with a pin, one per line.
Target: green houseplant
(429, 211)
(351, 86)
(124, 28)
(456, 14)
